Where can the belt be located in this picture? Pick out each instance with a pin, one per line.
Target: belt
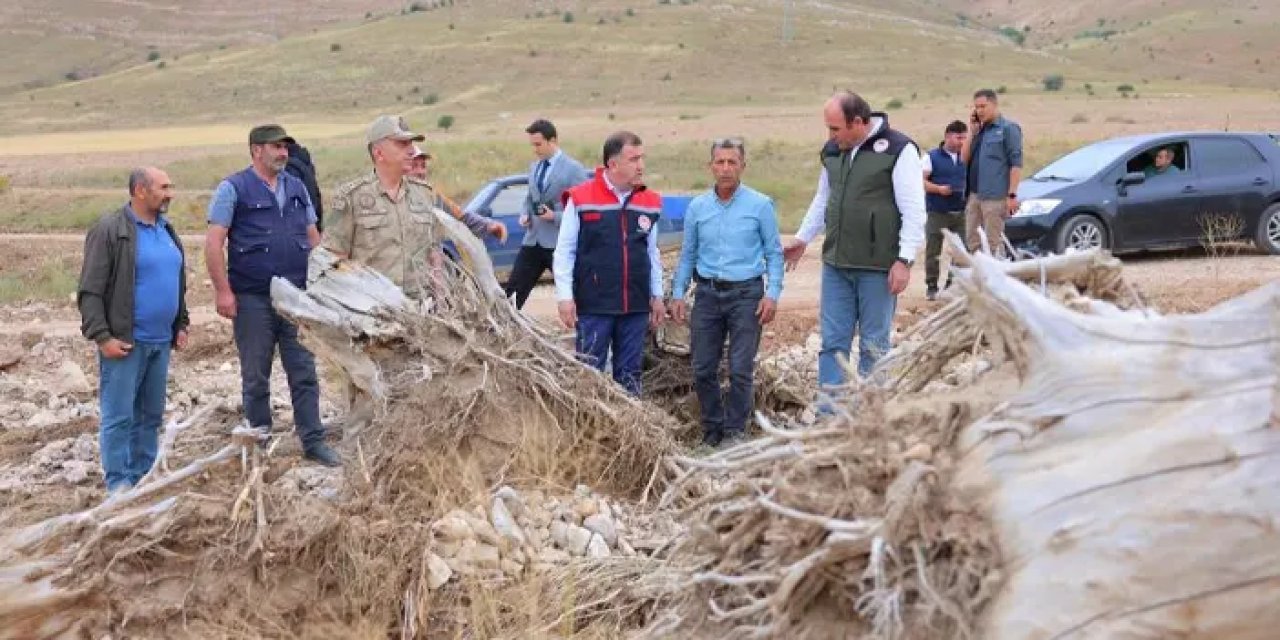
(721, 285)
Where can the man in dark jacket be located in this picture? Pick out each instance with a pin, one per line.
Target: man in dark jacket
(132, 299)
(301, 167)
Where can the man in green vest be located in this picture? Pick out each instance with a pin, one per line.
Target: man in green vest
(870, 201)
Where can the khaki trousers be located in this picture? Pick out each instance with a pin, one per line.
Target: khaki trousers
(988, 215)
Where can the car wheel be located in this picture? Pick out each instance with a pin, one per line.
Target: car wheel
(1081, 233)
(1268, 237)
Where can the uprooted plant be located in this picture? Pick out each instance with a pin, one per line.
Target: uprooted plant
(235, 540)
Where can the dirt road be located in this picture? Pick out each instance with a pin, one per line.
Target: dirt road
(1180, 281)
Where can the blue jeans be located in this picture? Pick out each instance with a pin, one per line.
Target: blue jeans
(625, 335)
(258, 331)
(131, 396)
(716, 313)
(853, 299)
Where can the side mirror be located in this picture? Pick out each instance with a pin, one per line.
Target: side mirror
(1132, 178)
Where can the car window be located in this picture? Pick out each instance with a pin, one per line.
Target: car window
(1145, 161)
(1224, 156)
(1085, 161)
(509, 201)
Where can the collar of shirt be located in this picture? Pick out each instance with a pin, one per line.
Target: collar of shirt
(732, 197)
(393, 196)
(551, 162)
(128, 209)
(877, 123)
(621, 195)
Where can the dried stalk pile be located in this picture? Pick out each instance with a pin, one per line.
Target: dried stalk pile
(1123, 490)
(237, 541)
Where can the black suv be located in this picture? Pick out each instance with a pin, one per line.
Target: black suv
(1221, 186)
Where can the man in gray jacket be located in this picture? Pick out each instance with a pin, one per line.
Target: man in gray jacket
(132, 299)
(549, 176)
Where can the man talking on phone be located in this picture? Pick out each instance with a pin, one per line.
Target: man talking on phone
(993, 156)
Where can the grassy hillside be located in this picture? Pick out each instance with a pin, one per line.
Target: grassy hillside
(481, 58)
(48, 42)
(1225, 42)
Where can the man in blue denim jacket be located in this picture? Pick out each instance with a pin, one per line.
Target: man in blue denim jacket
(993, 156)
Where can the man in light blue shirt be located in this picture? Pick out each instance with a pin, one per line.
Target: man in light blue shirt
(732, 250)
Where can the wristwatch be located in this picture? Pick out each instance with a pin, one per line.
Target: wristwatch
(908, 263)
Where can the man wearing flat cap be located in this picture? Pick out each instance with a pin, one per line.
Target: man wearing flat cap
(264, 219)
(385, 219)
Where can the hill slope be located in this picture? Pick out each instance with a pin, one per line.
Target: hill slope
(487, 57)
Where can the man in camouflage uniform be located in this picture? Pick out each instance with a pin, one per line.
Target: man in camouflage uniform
(386, 218)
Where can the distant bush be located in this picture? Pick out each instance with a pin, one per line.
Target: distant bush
(602, 21)
(1101, 34)
(5, 184)
(72, 76)
(415, 7)
(893, 104)
(1002, 90)
(631, 13)
(452, 26)
(153, 56)
(1125, 88)
(335, 47)
(160, 65)
(1079, 118)
(368, 15)
(431, 98)
(1013, 33)
(1053, 82)
(568, 17)
(445, 122)
(612, 116)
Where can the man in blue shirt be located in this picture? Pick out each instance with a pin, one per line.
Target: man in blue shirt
(730, 241)
(264, 219)
(131, 296)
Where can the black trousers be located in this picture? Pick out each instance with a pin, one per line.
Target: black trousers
(530, 264)
(717, 313)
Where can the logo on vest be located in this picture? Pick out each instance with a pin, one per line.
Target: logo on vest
(645, 224)
(880, 145)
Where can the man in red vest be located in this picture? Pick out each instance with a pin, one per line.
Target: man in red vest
(607, 265)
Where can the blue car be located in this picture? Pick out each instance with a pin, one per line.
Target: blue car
(503, 200)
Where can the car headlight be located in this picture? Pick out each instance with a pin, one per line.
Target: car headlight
(1036, 207)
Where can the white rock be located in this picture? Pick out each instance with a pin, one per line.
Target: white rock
(452, 528)
(438, 571)
(76, 471)
(225, 368)
(515, 502)
(597, 548)
(552, 555)
(484, 531)
(808, 417)
(921, 452)
(70, 379)
(56, 402)
(605, 509)
(585, 508)
(604, 526)
(43, 419)
(626, 548)
(582, 491)
(571, 538)
(505, 524)
(512, 568)
(481, 556)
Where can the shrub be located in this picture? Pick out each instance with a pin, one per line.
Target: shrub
(612, 116)
(153, 56)
(5, 183)
(1125, 88)
(1079, 118)
(335, 47)
(431, 98)
(667, 77)
(1053, 82)
(415, 7)
(445, 122)
(1002, 90)
(568, 17)
(1014, 34)
(631, 13)
(160, 65)
(893, 104)
(72, 75)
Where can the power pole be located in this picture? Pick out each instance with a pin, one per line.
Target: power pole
(786, 20)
